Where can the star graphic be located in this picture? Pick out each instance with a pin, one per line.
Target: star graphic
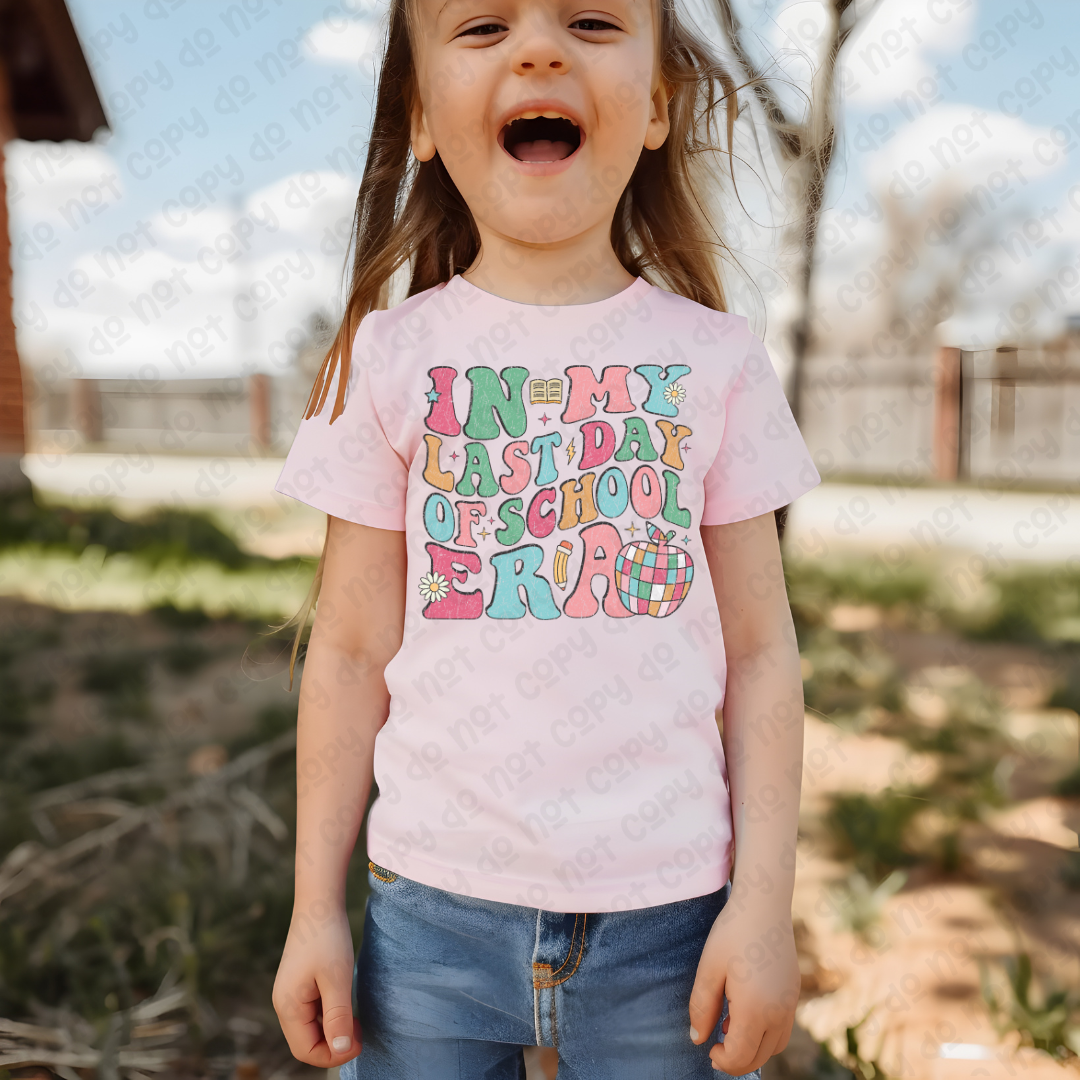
(491, 521)
(545, 418)
(685, 447)
(484, 533)
(454, 456)
(433, 395)
(686, 539)
(632, 528)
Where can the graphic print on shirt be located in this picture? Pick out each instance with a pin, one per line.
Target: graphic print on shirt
(603, 487)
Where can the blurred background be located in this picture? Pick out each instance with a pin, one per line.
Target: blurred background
(903, 232)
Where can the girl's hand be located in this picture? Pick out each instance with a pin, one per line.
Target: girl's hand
(750, 953)
(750, 956)
(313, 994)
(358, 628)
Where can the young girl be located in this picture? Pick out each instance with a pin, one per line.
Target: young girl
(550, 474)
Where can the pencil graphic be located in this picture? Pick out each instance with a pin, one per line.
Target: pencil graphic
(562, 554)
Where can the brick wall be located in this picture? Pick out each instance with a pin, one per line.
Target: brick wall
(12, 424)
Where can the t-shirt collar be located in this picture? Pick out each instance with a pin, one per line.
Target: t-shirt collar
(461, 286)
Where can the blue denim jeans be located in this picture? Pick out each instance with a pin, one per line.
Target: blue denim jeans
(450, 987)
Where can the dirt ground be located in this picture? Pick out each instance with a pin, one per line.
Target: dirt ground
(915, 975)
(909, 983)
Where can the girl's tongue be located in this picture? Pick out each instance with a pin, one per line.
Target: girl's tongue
(542, 150)
(541, 138)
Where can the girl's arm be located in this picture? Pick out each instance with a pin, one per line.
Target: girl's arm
(750, 954)
(358, 627)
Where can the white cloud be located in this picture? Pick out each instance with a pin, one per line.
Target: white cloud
(797, 32)
(951, 205)
(887, 54)
(227, 285)
(353, 41)
(964, 143)
(42, 177)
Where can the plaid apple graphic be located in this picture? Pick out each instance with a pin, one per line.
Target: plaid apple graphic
(653, 576)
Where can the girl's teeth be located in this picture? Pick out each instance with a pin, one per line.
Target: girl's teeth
(550, 115)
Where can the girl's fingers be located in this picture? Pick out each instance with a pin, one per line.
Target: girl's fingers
(785, 1037)
(301, 1027)
(706, 1001)
(770, 1045)
(338, 1027)
(741, 1048)
(319, 1026)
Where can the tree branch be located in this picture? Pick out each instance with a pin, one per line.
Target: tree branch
(199, 792)
(785, 131)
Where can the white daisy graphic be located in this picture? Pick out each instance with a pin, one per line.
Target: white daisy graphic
(434, 587)
(675, 393)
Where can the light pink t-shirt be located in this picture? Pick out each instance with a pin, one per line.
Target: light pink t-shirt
(552, 739)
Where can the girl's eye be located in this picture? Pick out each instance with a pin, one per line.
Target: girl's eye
(592, 24)
(483, 30)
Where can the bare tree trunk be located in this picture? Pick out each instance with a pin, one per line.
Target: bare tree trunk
(819, 144)
(807, 149)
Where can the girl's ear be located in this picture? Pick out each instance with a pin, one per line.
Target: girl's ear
(423, 146)
(659, 121)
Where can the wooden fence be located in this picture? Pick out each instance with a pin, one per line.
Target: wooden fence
(194, 416)
(1001, 417)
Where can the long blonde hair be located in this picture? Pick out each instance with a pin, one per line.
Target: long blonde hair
(410, 212)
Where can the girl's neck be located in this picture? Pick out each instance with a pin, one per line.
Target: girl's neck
(580, 270)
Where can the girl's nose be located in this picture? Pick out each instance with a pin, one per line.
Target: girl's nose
(541, 53)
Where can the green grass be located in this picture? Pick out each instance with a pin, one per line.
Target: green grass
(116, 672)
(869, 830)
(850, 676)
(1069, 785)
(1034, 605)
(1030, 604)
(165, 535)
(178, 563)
(1046, 1018)
(269, 722)
(185, 656)
(65, 763)
(815, 586)
(1067, 694)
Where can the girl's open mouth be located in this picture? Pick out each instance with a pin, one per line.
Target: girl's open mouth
(540, 138)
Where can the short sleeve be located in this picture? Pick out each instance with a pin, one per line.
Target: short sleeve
(763, 462)
(348, 468)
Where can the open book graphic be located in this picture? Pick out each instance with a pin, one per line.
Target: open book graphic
(545, 393)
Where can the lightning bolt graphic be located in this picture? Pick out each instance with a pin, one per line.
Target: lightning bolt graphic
(570, 452)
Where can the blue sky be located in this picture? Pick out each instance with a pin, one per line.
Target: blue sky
(982, 68)
(238, 129)
(218, 56)
(911, 76)
(981, 60)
